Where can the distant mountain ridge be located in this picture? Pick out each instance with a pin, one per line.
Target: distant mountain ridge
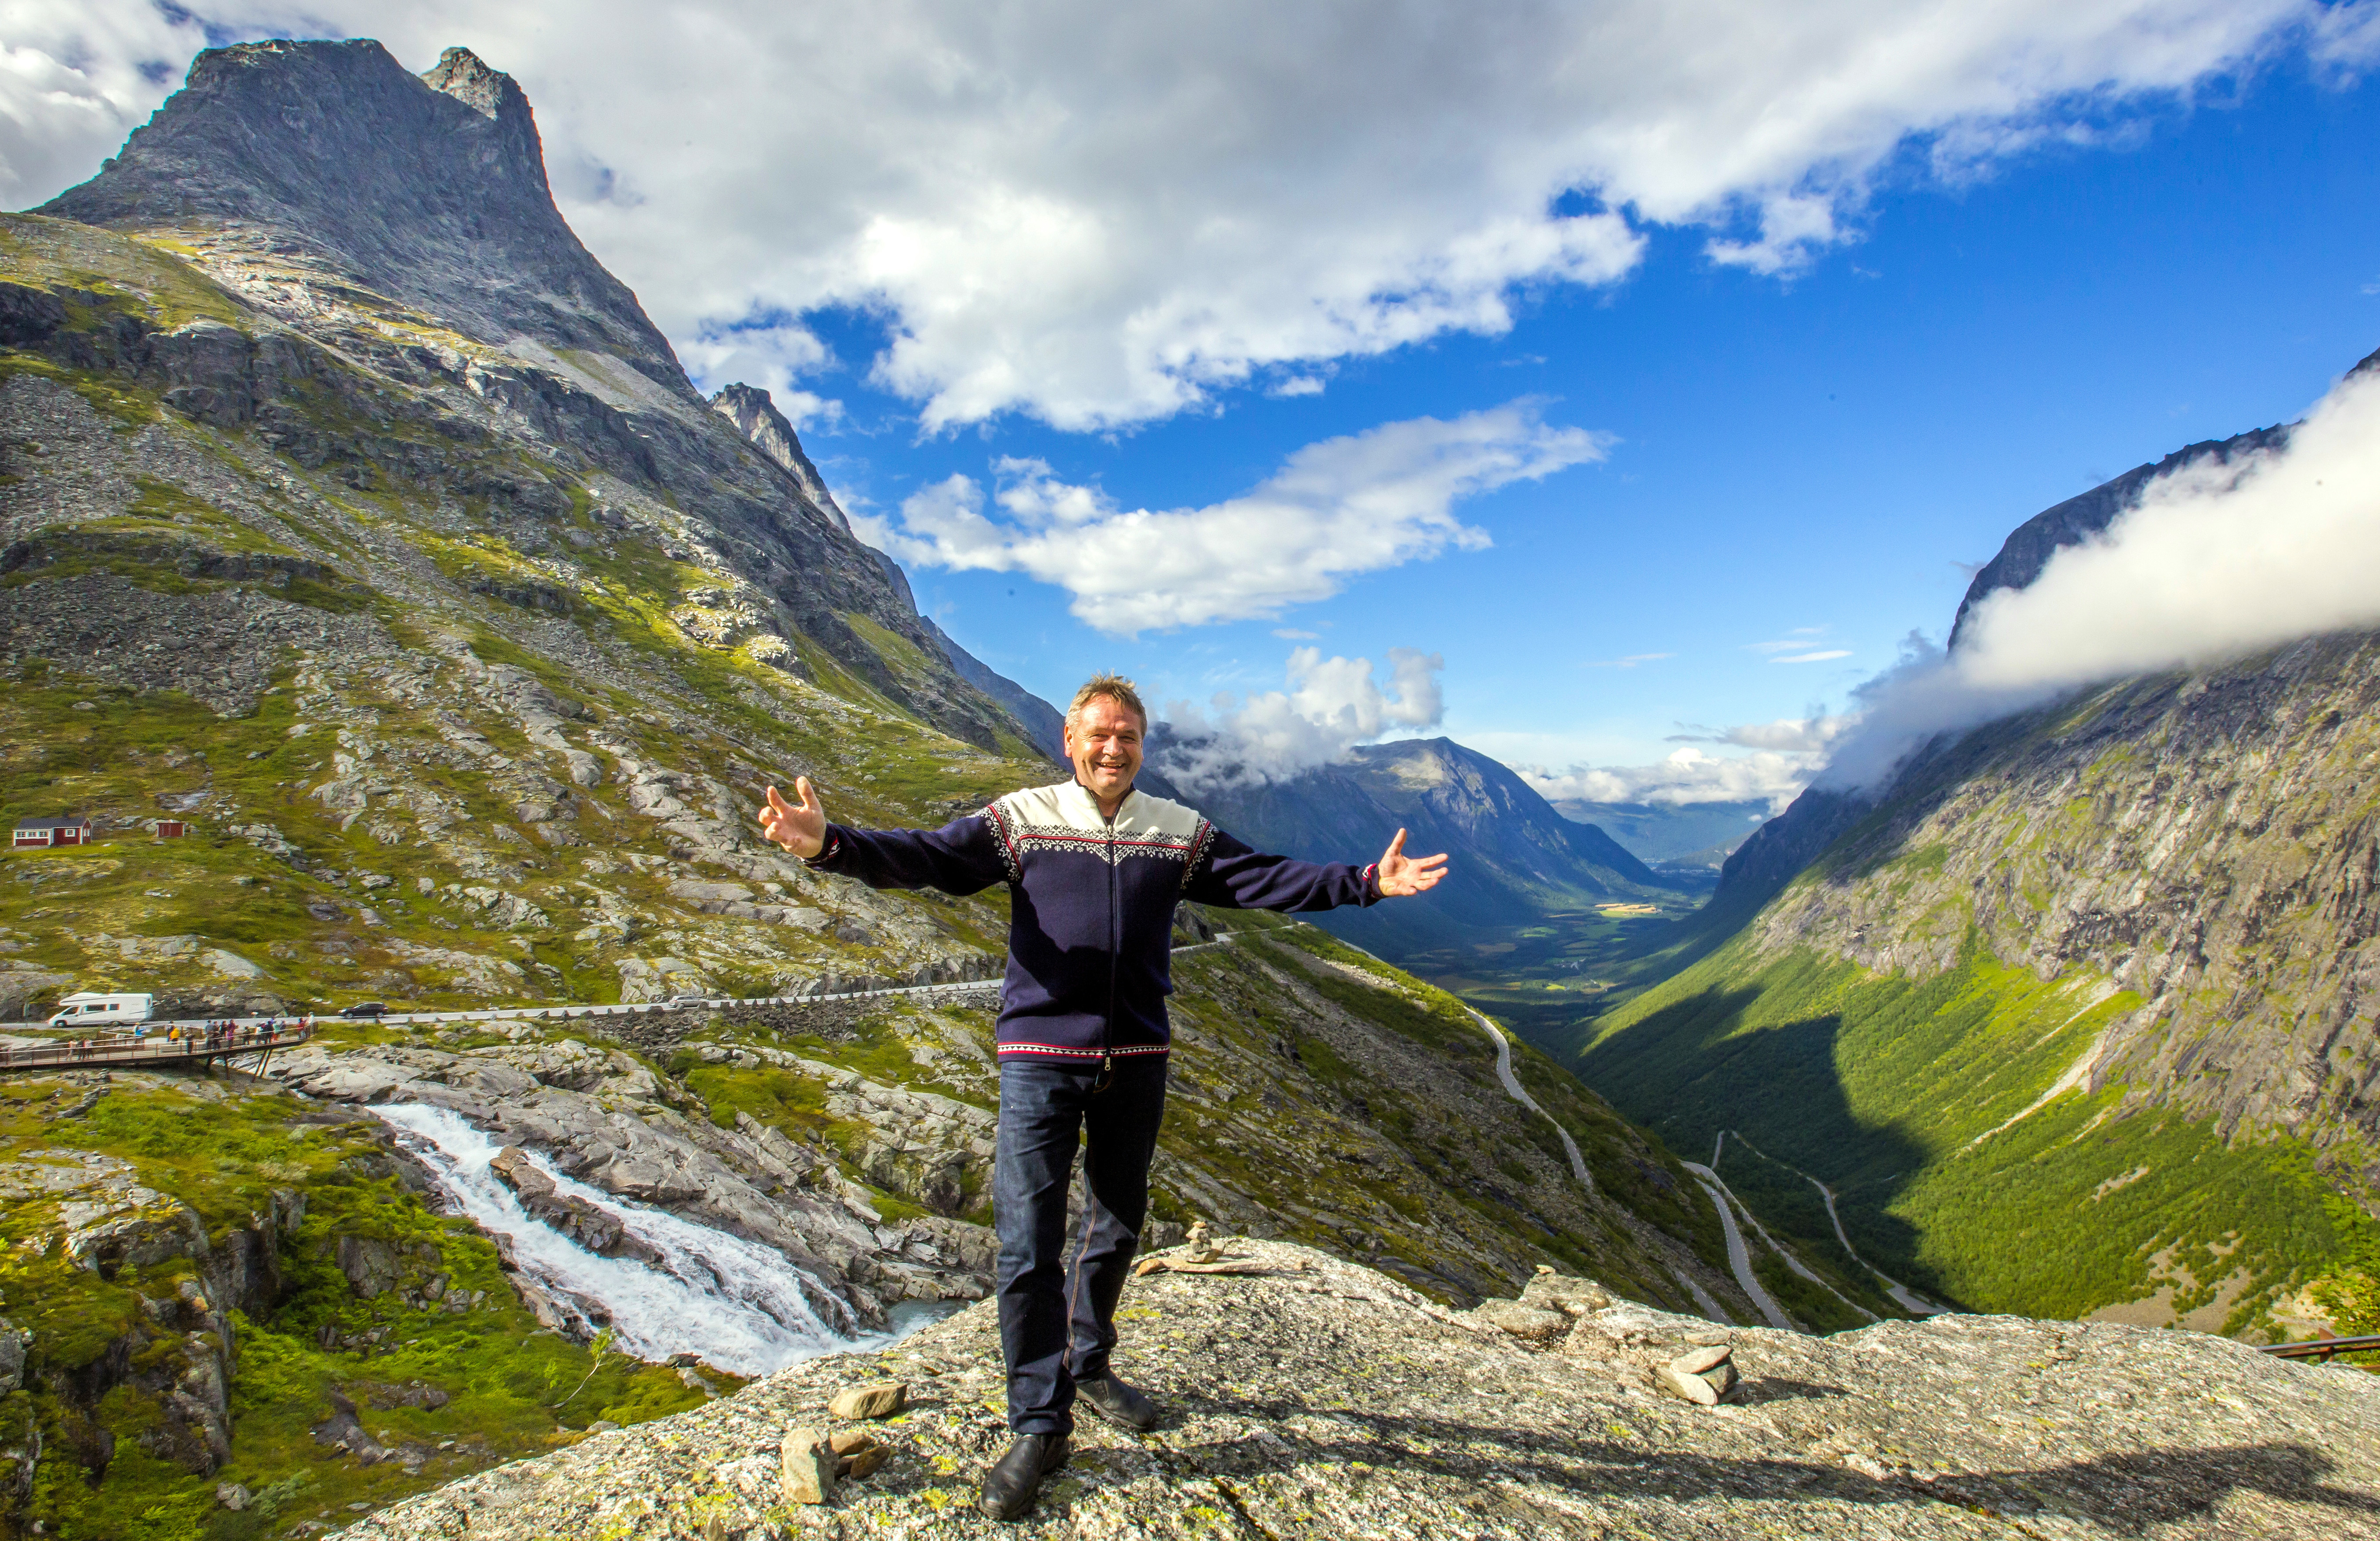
(1703, 832)
(1514, 858)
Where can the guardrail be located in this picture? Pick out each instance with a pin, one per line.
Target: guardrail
(156, 1049)
(2322, 1348)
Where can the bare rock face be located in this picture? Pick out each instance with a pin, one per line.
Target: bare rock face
(1325, 1399)
(432, 189)
(755, 416)
(2199, 839)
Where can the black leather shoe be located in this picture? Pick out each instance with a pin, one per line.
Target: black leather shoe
(1009, 1485)
(1117, 1402)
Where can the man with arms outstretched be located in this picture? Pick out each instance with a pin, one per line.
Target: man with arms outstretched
(1095, 870)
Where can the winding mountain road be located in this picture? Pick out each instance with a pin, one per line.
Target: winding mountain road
(1709, 1308)
(1739, 1256)
(1512, 1087)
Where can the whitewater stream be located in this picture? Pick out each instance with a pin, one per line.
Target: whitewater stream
(737, 1303)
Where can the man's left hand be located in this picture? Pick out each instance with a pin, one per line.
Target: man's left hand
(1400, 874)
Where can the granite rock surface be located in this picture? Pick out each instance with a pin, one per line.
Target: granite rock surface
(1323, 1400)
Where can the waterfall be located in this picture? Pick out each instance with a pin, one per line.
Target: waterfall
(737, 1303)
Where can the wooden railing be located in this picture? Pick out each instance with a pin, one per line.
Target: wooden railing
(2322, 1348)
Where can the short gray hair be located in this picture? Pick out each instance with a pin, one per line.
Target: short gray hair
(1113, 687)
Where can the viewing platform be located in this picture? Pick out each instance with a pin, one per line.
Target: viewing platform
(155, 1051)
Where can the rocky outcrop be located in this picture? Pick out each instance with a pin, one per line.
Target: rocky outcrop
(572, 1216)
(175, 1362)
(604, 1119)
(1318, 1398)
(755, 416)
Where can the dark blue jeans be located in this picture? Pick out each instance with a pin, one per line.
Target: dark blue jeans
(1057, 1323)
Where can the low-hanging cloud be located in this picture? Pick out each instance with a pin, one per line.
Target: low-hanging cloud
(2214, 560)
(1331, 705)
(1335, 509)
(1782, 756)
(1101, 214)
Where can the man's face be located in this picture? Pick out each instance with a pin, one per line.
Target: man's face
(1104, 742)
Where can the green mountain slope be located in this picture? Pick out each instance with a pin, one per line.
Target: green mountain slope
(2074, 1018)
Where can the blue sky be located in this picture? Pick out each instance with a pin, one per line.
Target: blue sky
(1656, 365)
(1816, 458)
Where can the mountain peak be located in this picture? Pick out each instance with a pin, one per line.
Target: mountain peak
(464, 76)
(755, 416)
(318, 166)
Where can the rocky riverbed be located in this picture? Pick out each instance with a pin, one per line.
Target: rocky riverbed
(1321, 1399)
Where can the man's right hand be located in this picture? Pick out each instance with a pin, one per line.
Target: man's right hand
(801, 830)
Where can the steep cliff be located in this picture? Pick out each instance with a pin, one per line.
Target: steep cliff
(365, 271)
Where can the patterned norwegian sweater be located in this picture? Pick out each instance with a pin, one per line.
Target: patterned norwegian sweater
(1092, 901)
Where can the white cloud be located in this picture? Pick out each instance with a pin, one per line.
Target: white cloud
(2214, 561)
(1332, 705)
(773, 352)
(1335, 509)
(1099, 214)
(1687, 775)
(1823, 655)
(1784, 755)
(74, 80)
(1630, 662)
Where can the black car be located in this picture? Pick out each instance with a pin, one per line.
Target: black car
(367, 1008)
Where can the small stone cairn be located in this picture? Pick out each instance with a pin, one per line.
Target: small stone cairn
(1691, 1360)
(815, 1461)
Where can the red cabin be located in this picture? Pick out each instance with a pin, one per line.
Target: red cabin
(37, 832)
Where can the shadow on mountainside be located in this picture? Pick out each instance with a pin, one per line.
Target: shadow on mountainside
(2126, 1493)
(1782, 1089)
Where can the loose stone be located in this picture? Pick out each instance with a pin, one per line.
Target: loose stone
(809, 1467)
(1691, 1388)
(1702, 1359)
(880, 1400)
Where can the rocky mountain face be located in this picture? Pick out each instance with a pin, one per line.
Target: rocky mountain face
(1514, 858)
(2122, 944)
(1307, 1396)
(363, 275)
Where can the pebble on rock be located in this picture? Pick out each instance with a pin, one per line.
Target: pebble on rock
(809, 1467)
(1702, 1359)
(1691, 1388)
(851, 1441)
(880, 1400)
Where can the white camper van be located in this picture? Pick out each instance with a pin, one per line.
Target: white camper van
(85, 1009)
